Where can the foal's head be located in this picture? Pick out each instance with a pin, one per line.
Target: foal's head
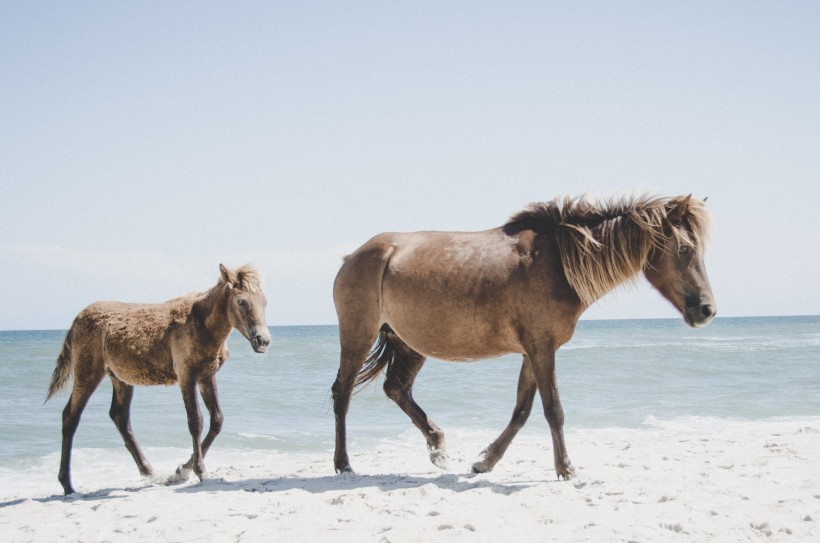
(246, 305)
(676, 267)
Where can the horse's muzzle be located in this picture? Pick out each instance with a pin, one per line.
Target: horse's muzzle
(260, 343)
(699, 315)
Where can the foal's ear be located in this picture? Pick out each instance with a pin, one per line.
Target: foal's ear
(227, 276)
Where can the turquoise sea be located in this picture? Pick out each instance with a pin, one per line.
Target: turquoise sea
(620, 373)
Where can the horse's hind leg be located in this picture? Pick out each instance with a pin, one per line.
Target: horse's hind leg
(120, 413)
(351, 360)
(523, 406)
(356, 293)
(398, 385)
(86, 380)
(207, 388)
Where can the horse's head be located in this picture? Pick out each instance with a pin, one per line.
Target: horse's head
(675, 267)
(246, 305)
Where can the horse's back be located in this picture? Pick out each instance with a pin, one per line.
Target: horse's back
(430, 260)
(447, 294)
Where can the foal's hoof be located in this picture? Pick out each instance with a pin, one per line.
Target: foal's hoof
(481, 467)
(565, 473)
(181, 475)
(440, 458)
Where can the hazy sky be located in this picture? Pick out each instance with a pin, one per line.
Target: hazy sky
(143, 143)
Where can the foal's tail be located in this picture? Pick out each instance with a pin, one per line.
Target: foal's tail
(383, 354)
(64, 365)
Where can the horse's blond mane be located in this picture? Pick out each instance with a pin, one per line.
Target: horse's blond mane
(606, 243)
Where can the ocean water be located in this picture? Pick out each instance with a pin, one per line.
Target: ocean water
(638, 374)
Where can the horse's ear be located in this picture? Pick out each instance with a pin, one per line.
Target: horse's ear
(227, 276)
(679, 208)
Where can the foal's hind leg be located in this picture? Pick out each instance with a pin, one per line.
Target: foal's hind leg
(120, 413)
(523, 407)
(86, 380)
(398, 385)
(207, 387)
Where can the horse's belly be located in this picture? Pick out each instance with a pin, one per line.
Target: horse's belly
(448, 339)
(445, 352)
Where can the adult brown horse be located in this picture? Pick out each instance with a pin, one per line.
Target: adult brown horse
(181, 340)
(519, 288)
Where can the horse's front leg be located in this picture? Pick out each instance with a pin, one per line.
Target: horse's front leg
(207, 387)
(187, 384)
(523, 406)
(542, 363)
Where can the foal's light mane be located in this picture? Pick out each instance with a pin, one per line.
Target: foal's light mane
(245, 278)
(248, 279)
(604, 244)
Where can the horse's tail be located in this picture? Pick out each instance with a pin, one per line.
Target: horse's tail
(383, 354)
(64, 366)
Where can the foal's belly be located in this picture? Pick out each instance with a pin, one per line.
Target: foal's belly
(143, 371)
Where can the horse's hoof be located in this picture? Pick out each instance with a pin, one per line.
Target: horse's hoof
(440, 458)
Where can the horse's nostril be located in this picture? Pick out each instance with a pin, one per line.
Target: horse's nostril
(707, 310)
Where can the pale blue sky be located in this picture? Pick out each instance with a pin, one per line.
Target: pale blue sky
(143, 143)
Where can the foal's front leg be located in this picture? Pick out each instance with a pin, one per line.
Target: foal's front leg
(187, 384)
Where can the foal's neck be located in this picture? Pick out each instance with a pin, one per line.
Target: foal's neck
(214, 313)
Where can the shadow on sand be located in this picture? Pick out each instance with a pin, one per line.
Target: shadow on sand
(315, 485)
(329, 483)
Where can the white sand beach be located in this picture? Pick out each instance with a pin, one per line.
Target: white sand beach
(760, 481)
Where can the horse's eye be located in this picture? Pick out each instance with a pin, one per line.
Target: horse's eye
(240, 301)
(685, 250)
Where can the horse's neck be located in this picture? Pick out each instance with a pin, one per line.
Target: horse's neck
(594, 273)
